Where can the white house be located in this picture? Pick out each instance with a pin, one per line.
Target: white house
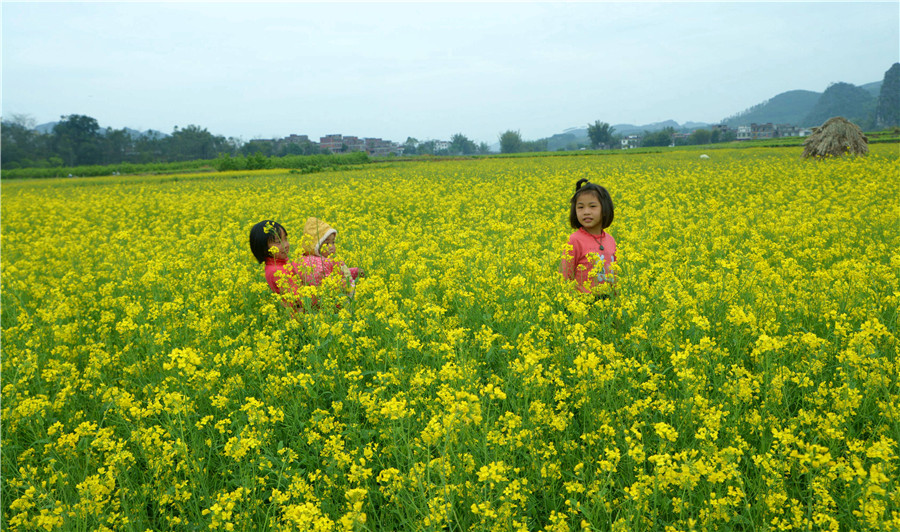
(631, 141)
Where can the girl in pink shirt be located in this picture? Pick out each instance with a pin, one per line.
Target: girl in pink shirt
(593, 249)
(269, 243)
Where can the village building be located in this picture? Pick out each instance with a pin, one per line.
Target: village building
(770, 131)
(762, 131)
(631, 141)
(441, 145)
(376, 147)
(332, 143)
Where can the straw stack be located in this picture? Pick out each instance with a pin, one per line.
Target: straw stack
(835, 138)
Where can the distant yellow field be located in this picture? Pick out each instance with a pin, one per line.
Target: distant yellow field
(744, 378)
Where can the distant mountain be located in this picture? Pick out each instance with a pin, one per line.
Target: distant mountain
(841, 99)
(790, 107)
(570, 139)
(797, 107)
(691, 126)
(629, 129)
(810, 109)
(149, 134)
(874, 88)
(45, 129)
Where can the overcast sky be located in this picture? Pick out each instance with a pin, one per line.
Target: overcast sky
(428, 70)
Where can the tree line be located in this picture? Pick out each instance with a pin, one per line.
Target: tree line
(603, 136)
(78, 140)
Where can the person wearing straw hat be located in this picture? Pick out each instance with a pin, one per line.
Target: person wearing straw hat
(318, 244)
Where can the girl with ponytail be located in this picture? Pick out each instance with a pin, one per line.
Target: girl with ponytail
(593, 249)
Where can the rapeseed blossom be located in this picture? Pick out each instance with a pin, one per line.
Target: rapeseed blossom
(745, 375)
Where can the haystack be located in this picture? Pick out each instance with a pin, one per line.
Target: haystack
(835, 138)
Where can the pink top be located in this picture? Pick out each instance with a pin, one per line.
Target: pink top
(316, 268)
(285, 279)
(589, 271)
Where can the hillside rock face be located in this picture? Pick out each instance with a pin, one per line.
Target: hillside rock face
(887, 111)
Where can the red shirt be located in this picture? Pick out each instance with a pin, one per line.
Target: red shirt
(286, 279)
(589, 271)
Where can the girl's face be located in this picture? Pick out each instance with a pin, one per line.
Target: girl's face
(281, 242)
(328, 247)
(589, 212)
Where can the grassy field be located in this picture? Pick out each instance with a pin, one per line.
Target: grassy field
(744, 378)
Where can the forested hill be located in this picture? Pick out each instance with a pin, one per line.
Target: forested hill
(809, 108)
(842, 99)
(790, 107)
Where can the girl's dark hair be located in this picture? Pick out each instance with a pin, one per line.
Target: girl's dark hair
(259, 238)
(606, 205)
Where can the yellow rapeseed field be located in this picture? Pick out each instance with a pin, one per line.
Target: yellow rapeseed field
(745, 376)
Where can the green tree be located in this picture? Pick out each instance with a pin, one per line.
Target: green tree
(510, 142)
(700, 136)
(192, 143)
(290, 148)
(483, 148)
(887, 110)
(77, 141)
(410, 146)
(426, 148)
(150, 149)
(718, 135)
(263, 146)
(600, 133)
(22, 145)
(233, 145)
(117, 146)
(461, 145)
(257, 161)
(303, 147)
(534, 145)
(663, 137)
